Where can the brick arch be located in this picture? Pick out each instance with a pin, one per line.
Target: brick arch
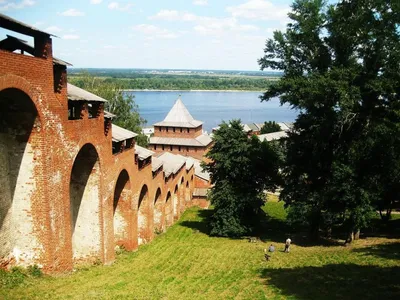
(122, 212)
(84, 195)
(181, 196)
(23, 201)
(143, 215)
(175, 198)
(169, 211)
(187, 192)
(159, 212)
(16, 82)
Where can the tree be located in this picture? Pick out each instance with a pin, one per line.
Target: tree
(120, 104)
(341, 71)
(240, 169)
(270, 126)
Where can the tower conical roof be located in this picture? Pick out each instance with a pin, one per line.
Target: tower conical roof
(179, 116)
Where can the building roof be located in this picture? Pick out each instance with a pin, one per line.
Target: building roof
(200, 192)
(171, 163)
(272, 136)
(156, 163)
(120, 134)
(199, 172)
(285, 126)
(11, 43)
(246, 128)
(77, 94)
(179, 116)
(108, 115)
(201, 141)
(17, 26)
(143, 153)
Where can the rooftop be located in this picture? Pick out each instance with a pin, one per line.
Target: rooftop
(273, 136)
(17, 26)
(143, 153)
(171, 163)
(201, 141)
(77, 94)
(179, 116)
(120, 134)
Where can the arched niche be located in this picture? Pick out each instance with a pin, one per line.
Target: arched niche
(85, 204)
(159, 217)
(21, 180)
(143, 216)
(169, 211)
(122, 210)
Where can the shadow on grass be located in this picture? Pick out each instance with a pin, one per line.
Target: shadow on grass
(335, 281)
(268, 229)
(378, 228)
(203, 215)
(388, 251)
(278, 230)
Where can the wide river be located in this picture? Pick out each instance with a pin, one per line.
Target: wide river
(213, 107)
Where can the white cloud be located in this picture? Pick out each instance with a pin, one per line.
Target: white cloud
(200, 2)
(72, 12)
(152, 31)
(260, 10)
(53, 29)
(117, 6)
(70, 37)
(96, 1)
(204, 25)
(166, 15)
(15, 5)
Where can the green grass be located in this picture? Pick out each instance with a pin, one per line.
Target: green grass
(185, 263)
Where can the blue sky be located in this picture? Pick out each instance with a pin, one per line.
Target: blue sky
(191, 34)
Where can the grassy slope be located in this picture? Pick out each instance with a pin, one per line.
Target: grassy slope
(185, 263)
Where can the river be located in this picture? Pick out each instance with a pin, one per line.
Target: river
(213, 107)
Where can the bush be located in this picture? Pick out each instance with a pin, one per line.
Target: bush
(35, 271)
(13, 278)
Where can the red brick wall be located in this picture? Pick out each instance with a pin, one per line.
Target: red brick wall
(201, 202)
(196, 152)
(160, 131)
(59, 141)
(201, 183)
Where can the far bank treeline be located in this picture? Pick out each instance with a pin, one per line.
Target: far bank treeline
(141, 81)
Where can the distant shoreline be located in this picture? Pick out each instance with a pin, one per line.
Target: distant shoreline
(226, 91)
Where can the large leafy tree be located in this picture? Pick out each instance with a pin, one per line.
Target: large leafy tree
(341, 67)
(241, 169)
(120, 104)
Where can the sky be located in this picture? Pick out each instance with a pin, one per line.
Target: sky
(167, 34)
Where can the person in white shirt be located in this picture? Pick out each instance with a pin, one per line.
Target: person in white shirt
(287, 244)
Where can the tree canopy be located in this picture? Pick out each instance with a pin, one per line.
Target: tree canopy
(270, 126)
(241, 168)
(341, 68)
(120, 104)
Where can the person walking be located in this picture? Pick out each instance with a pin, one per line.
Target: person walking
(287, 245)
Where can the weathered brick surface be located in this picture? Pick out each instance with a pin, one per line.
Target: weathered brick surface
(60, 227)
